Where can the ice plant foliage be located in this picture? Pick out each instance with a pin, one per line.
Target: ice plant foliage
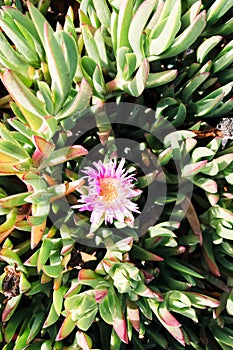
(174, 58)
(110, 190)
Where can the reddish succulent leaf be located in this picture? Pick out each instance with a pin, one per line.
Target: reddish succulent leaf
(192, 169)
(107, 264)
(175, 331)
(133, 314)
(7, 159)
(67, 249)
(104, 135)
(10, 307)
(65, 154)
(144, 291)
(100, 294)
(148, 276)
(42, 145)
(8, 168)
(76, 151)
(49, 180)
(45, 279)
(85, 274)
(83, 340)
(144, 254)
(167, 317)
(57, 282)
(203, 299)
(43, 149)
(5, 234)
(75, 288)
(37, 233)
(120, 328)
(66, 328)
(67, 188)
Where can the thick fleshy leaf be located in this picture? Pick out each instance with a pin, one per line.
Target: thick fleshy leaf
(123, 24)
(51, 318)
(36, 323)
(58, 298)
(175, 264)
(100, 294)
(198, 299)
(90, 44)
(44, 253)
(137, 85)
(193, 169)
(14, 200)
(90, 278)
(167, 317)
(70, 51)
(103, 12)
(37, 233)
(21, 43)
(137, 25)
(43, 150)
(58, 69)
(79, 103)
(146, 292)
(52, 271)
(83, 340)
(207, 46)
(10, 307)
(161, 78)
(209, 256)
(229, 306)
(66, 328)
(217, 10)
(205, 183)
(8, 226)
(191, 215)
(24, 97)
(10, 59)
(119, 323)
(26, 23)
(169, 30)
(65, 154)
(107, 308)
(186, 38)
(14, 323)
(133, 314)
(144, 254)
(175, 330)
(193, 85)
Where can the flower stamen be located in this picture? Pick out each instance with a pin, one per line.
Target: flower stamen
(108, 189)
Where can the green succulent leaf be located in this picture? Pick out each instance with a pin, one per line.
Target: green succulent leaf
(137, 25)
(217, 10)
(103, 12)
(207, 46)
(163, 41)
(58, 69)
(24, 98)
(186, 38)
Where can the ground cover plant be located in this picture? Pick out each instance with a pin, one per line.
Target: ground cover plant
(116, 159)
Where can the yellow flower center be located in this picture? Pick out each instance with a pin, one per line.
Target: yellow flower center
(108, 189)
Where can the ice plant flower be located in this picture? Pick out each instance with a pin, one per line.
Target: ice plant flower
(110, 190)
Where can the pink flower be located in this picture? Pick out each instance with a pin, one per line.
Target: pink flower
(110, 189)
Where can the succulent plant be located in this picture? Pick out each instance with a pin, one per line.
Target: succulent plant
(149, 81)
